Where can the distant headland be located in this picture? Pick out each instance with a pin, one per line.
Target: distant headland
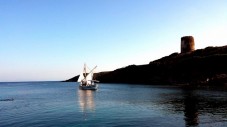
(201, 67)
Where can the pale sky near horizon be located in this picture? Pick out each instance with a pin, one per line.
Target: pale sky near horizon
(50, 40)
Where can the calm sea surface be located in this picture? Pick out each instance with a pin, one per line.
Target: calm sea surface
(62, 104)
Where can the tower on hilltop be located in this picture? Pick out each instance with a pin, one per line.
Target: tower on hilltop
(187, 44)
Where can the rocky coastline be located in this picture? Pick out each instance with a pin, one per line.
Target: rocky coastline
(202, 67)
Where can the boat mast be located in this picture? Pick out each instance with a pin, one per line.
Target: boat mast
(85, 75)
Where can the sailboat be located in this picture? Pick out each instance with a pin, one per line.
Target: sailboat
(86, 79)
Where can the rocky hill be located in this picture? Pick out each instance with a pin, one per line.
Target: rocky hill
(200, 67)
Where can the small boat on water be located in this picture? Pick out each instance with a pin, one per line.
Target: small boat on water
(86, 79)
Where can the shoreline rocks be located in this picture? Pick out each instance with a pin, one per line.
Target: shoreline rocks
(202, 67)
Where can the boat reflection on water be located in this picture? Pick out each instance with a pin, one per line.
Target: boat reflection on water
(86, 100)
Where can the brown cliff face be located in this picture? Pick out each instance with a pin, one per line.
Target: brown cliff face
(200, 67)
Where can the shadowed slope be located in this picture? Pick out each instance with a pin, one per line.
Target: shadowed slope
(200, 67)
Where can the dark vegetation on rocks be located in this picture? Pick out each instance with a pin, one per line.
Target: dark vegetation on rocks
(202, 67)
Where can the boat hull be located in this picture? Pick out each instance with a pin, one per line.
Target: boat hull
(89, 87)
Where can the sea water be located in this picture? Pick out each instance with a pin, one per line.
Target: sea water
(63, 104)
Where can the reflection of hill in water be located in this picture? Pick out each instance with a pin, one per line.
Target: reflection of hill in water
(194, 104)
(86, 100)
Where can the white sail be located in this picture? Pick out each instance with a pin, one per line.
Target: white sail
(81, 77)
(89, 78)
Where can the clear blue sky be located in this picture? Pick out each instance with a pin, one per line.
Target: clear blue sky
(52, 39)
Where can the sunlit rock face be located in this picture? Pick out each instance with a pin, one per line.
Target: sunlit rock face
(187, 44)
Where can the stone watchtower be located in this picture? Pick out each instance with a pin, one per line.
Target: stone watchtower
(187, 44)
